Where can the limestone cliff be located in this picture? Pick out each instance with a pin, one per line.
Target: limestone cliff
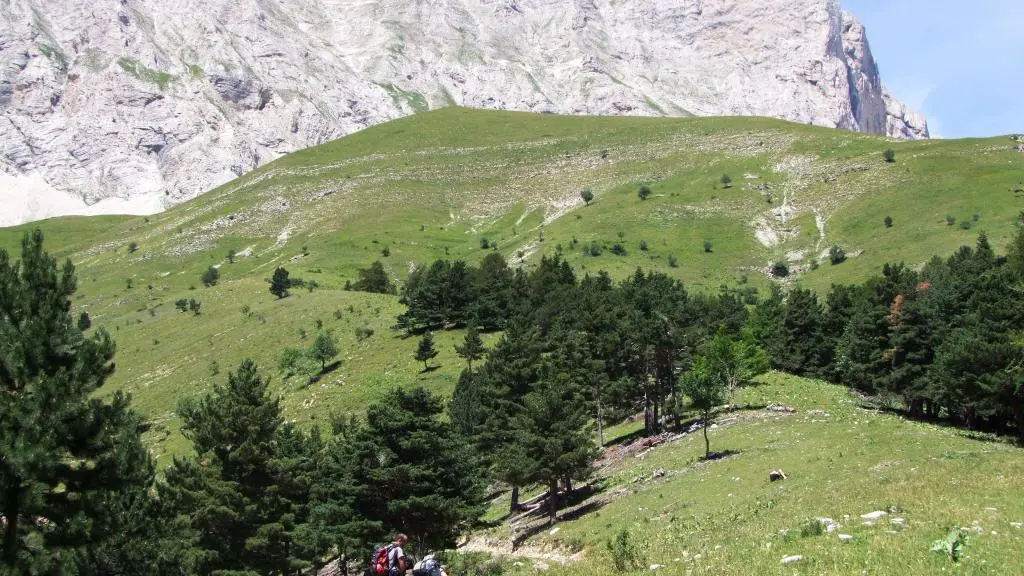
(129, 105)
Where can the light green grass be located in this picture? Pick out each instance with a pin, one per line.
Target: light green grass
(432, 185)
(159, 77)
(726, 517)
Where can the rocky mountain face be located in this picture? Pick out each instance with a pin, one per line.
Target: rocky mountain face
(130, 105)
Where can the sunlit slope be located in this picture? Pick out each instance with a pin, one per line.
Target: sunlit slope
(435, 185)
(915, 482)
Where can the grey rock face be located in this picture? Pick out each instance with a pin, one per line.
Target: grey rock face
(136, 104)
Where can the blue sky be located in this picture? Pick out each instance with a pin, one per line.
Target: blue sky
(960, 63)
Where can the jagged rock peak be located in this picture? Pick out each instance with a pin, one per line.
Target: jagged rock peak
(131, 105)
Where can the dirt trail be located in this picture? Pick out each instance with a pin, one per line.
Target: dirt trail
(502, 547)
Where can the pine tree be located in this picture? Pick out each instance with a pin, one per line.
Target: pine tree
(374, 279)
(64, 453)
(799, 348)
(552, 433)
(472, 347)
(493, 286)
(280, 283)
(323, 349)
(335, 495)
(425, 350)
(233, 491)
(411, 473)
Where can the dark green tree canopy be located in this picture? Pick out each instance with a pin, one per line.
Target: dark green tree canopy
(63, 453)
(374, 279)
(425, 350)
(412, 472)
(280, 283)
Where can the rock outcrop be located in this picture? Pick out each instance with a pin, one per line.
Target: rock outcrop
(130, 105)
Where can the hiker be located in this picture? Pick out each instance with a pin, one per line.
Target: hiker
(429, 566)
(389, 560)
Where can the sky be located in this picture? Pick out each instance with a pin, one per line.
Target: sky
(959, 63)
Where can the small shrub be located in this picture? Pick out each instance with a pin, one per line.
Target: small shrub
(385, 252)
(128, 283)
(780, 269)
(587, 195)
(305, 250)
(302, 334)
(210, 277)
(965, 224)
(836, 255)
(246, 310)
(889, 155)
(707, 246)
(594, 249)
(231, 256)
(337, 314)
(644, 192)
(625, 554)
(976, 216)
(363, 332)
(84, 321)
(213, 368)
(814, 264)
(726, 181)
(950, 220)
(181, 305)
(133, 246)
(319, 324)
(194, 305)
(811, 528)
(484, 243)
(672, 261)
(888, 221)
(618, 249)
(952, 545)
(643, 245)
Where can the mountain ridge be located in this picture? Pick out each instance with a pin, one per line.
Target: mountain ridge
(132, 107)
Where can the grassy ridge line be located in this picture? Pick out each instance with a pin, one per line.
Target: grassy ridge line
(433, 185)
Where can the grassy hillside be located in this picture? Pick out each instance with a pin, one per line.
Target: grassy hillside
(435, 185)
(844, 460)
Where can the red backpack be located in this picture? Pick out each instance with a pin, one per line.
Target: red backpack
(380, 564)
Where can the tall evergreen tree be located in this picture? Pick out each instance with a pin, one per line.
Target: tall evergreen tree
(412, 473)
(799, 347)
(234, 493)
(425, 350)
(552, 433)
(494, 289)
(472, 347)
(374, 279)
(65, 455)
(280, 283)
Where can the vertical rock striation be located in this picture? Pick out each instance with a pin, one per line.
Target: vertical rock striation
(130, 105)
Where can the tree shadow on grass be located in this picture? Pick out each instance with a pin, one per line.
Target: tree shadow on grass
(319, 375)
(430, 369)
(577, 504)
(987, 436)
(719, 455)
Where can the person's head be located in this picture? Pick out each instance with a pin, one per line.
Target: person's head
(401, 539)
